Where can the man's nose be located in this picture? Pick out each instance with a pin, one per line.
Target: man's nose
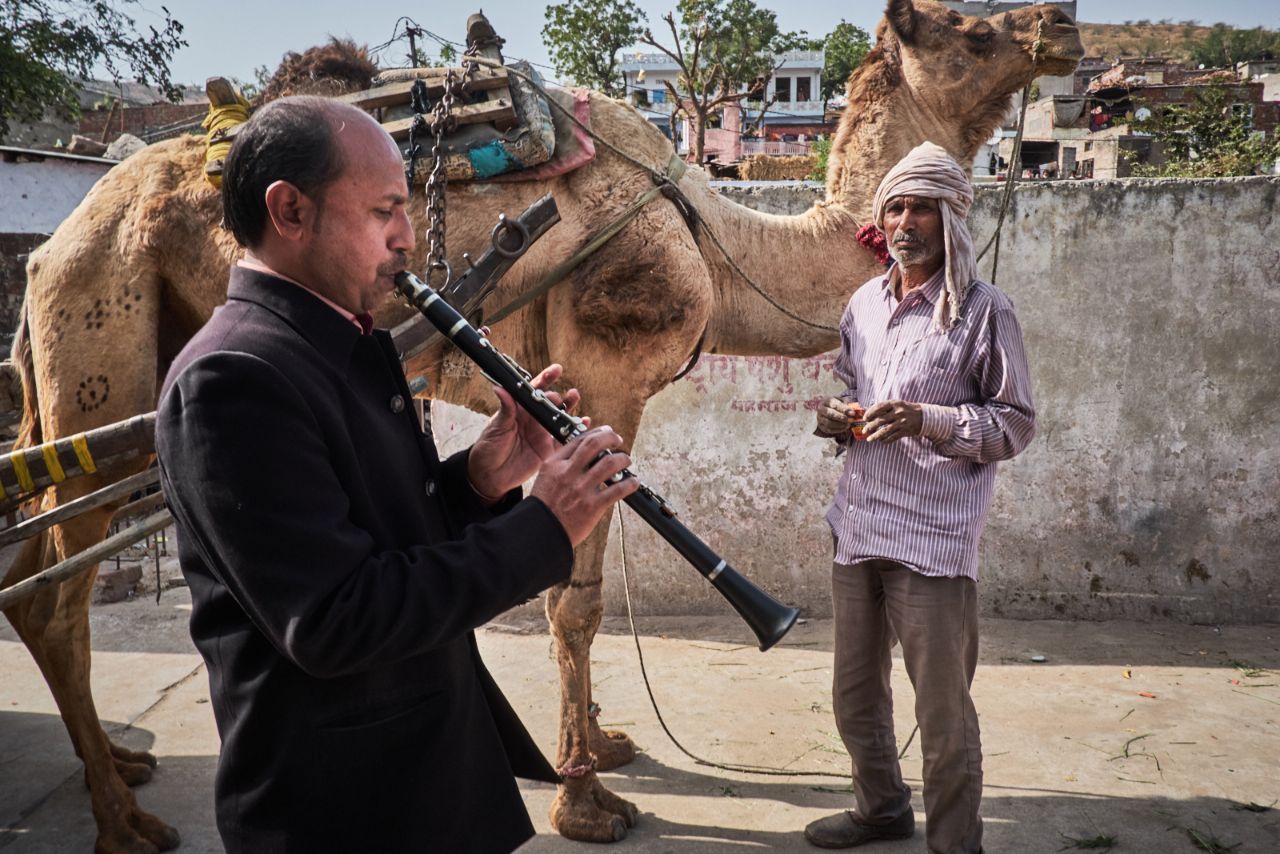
(402, 238)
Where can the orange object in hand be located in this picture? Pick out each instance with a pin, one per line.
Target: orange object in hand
(858, 427)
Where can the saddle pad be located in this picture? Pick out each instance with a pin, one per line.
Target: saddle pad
(573, 147)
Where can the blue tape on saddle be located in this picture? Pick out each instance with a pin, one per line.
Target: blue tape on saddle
(492, 159)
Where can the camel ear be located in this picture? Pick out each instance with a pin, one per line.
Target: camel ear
(901, 15)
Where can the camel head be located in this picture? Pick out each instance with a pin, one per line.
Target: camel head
(941, 76)
(964, 69)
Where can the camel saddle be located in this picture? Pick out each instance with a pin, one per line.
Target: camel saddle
(503, 120)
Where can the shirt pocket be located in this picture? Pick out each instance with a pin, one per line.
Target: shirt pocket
(933, 352)
(927, 372)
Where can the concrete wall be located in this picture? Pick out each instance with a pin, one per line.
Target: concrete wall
(38, 190)
(1151, 311)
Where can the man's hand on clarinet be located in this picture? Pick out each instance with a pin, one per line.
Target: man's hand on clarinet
(513, 446)
(573, 482)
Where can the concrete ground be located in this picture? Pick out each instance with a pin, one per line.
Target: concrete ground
(1164, 737)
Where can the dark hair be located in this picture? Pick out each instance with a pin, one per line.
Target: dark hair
(292, 140)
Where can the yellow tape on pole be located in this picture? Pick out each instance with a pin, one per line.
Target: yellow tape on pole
(81, 447)
(52, 463)
(19, 460)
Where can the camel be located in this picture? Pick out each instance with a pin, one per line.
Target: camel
(142, 262)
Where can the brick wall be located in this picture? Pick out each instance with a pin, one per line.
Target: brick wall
(138, 120)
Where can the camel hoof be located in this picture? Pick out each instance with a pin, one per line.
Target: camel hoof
(137, 757)
(588, 812)
(155, 831)
(612, 748)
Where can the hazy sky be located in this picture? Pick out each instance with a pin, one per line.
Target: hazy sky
(232, 37)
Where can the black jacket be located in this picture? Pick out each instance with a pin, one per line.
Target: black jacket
(337, 568)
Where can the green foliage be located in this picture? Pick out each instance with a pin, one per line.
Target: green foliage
(1210, 138)
(45, 43)
(584, 38)
(845, 47)
(1224, 46)
(821, 151)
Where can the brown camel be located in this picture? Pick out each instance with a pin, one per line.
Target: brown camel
(136, 269)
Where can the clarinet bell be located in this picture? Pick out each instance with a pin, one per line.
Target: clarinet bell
(768, 618)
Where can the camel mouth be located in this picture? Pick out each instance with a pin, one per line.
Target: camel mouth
(1063, 49)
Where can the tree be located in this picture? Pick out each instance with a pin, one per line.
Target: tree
(584, 38)
(843, 51)
(44, 44)
(720, 47)
(1225, 45)
(1210, 138)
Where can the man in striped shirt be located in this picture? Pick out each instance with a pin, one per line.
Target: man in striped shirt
(937, 391)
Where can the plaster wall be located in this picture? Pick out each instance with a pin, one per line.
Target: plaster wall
(38, 191)
(1150, 311)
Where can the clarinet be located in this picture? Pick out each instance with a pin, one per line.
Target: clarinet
(768, 618)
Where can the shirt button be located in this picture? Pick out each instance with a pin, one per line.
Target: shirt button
(431, 488)
(396, 403)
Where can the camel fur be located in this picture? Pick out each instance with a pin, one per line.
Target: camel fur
(142, 262)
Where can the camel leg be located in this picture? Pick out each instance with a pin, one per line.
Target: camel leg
(87, 366)
(612, 748)
(583, 809)
(54, 625)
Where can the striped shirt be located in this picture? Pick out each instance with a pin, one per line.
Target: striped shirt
(922, 501)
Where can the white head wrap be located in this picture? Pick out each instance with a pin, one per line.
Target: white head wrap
(930, 172)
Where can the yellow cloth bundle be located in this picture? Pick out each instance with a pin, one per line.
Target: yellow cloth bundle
(221, 118)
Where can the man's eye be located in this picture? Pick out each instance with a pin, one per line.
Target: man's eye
(384, 212)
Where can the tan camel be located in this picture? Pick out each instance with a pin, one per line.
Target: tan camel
(141, 264)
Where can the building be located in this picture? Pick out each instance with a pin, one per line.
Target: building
(782, 117)
(1092, 134)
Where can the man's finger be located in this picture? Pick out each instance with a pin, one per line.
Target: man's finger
(588, 446)
(547, 376)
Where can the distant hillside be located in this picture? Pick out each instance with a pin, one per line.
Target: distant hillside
(1175, 41)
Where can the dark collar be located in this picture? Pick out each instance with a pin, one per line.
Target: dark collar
(331, 334)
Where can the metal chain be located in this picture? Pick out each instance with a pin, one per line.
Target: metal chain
(442, 121)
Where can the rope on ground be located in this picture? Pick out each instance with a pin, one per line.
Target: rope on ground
(635, 635)
(659, 178)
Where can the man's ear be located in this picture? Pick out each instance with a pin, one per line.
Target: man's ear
(901, 15)
(289, 210)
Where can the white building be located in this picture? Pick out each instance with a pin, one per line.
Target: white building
(794, 90)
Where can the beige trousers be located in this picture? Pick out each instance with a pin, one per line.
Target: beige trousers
(936, 621)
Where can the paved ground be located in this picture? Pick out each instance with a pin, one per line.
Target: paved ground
(1148, 733)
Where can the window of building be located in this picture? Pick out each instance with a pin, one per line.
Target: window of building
(782, 89)
(658, 96)
(802, 89)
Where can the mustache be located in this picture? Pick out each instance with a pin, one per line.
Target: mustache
(905, 237)
(393, 267)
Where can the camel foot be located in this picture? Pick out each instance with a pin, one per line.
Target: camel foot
(612, 748)
(155, 831)
(137, 757)
(143, 834)
(588, 812)
(132, 773)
